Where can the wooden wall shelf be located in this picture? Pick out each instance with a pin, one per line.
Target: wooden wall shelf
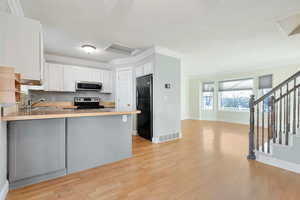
(7, 85)
(18, 87)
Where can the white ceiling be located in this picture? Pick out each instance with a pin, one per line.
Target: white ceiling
(213, 35)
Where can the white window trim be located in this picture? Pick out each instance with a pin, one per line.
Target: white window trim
(201, 98)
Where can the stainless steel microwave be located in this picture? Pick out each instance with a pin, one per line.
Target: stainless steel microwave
(86, 85)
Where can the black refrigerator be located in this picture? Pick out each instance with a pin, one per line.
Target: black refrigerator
(144, 103)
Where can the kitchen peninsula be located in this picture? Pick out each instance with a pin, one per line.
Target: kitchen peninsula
(45, 144)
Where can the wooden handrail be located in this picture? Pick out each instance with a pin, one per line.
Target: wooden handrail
(296, 75)
(287, 93)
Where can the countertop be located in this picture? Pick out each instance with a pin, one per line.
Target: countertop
(63, 113)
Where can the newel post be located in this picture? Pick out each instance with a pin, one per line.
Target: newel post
(251, 155)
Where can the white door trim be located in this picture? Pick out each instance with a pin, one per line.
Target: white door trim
(4, 190)
(15, 7)
(117, 83)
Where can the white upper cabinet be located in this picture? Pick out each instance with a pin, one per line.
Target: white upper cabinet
(54, 77)
(70, 77)
(139, 71)
(107, 82)
(87, 74)
(95, 75)
(21, 45)
(59, 77)
(148, 68)
(144, 69)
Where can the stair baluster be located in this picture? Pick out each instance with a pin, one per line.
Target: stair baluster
(263, 127)
(280, 118)
(257, 128)
(294, 109)
(269, 129)
(298, 124)
(273, 114)
(287, 116)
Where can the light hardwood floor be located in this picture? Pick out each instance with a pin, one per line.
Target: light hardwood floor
(209, 162)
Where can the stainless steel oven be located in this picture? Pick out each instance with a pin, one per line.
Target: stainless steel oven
(91, 86)
(87, 102)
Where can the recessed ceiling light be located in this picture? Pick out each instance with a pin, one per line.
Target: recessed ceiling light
(89, 48)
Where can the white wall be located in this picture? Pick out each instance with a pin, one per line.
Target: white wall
(184, 97)
(194, 105)
(166, 102)
(4, 6)
(3, 159)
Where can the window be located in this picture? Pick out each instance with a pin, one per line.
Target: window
(208, 96)
(234, 95)
(265, 84)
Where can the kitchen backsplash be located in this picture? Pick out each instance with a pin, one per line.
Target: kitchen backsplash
(36, 95)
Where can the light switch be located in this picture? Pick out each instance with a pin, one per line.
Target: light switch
(167, 85)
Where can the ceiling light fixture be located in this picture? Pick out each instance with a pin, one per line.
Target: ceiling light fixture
(89, 48)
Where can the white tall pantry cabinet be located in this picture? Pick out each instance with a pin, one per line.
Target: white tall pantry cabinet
(21, 45)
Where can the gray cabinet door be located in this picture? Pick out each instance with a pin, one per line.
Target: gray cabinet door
(95, 141)
(36, 147)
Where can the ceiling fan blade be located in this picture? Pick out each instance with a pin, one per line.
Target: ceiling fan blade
(295, 31)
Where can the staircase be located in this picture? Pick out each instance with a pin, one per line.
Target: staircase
(274, 135)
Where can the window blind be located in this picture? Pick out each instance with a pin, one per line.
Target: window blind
(208, 87)
(265, 82)
(234, 85)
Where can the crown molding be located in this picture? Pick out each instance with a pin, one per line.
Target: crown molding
(15, 7)
(167, 52)
(75, 61)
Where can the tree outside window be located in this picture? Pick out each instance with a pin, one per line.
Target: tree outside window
(234, 95)
(208, 95)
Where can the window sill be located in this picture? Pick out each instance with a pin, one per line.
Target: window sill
(208, 110)
(235, 111)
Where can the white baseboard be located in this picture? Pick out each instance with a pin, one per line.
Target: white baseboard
(155, 140)
(165, 138)
(134, 132)
(191, 118)
(269, 160)
(4, 191)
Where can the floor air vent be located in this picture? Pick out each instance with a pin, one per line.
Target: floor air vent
(165, 138)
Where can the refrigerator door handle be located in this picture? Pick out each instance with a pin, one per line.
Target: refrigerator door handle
(137, 98)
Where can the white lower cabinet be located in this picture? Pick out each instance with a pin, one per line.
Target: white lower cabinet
(63, 78)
